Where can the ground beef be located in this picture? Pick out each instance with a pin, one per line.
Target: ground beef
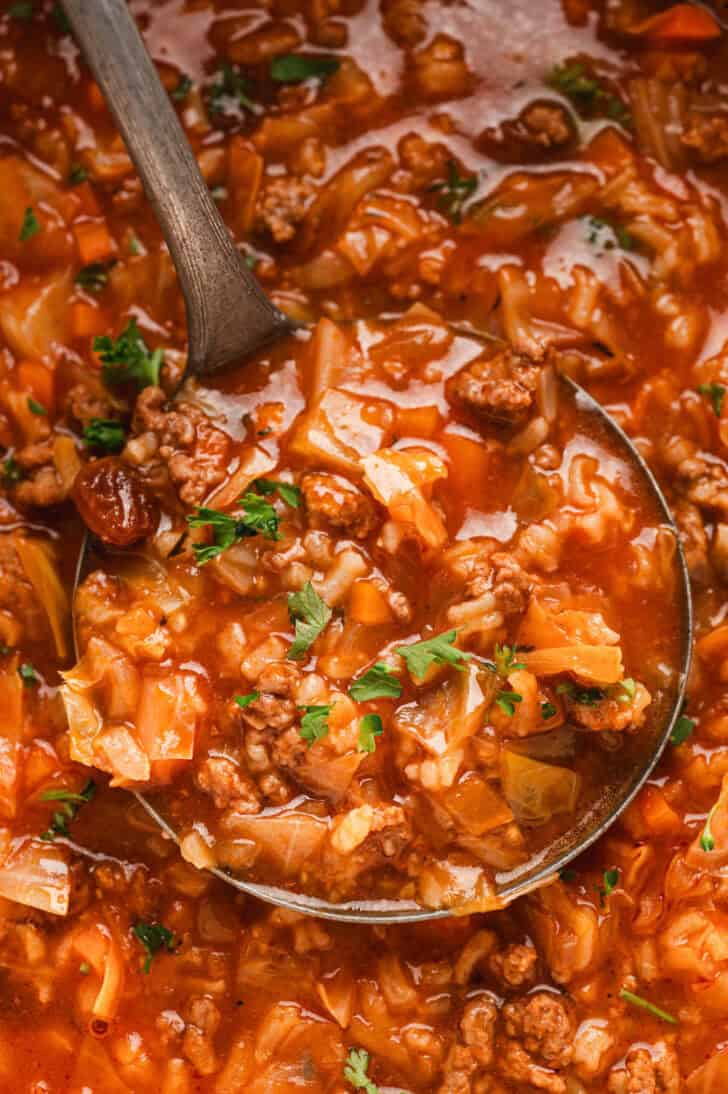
(425, 161)
(544, 1024)
(694, 540)
(21, 616)
(700, 480)
(41, 485)
(604, 715)
(275, 708)
(515, 966)
(282, 205)
(229, 788)
(707, 137)
(546, 124)
(510, 583)
(87, 400)
(515, 1065)
(196, 452)
(473, 1048)
(332, 501)
(202, 1022)
(501, 388)
(643, 1073)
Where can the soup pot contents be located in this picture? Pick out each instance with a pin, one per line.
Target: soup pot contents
(404, 639)
(381, 613)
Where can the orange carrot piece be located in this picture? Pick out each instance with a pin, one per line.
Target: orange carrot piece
(659, 816)
(39, 381)
(680, 23)
(610, 151)
(88, 202)
(95, 98)
(245, 170)
(95, 242)
(87, 320)
(368, 604)
(714, 644)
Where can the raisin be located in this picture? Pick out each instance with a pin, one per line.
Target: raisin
(114, 502)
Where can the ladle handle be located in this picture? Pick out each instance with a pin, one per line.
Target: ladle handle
(228, 314)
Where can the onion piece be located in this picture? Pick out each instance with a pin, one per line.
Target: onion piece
(41, 572)
(658, 112)
(36, 874)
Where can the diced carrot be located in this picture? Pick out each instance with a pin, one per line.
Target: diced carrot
(609, 150)
(245, 170)
(368, 604)
(659, 816)
(88, 201)
(714, 644)
(418, 421)
(39, 381)
(680, 23)
(95, 98)
(87, 319)
(95, 242)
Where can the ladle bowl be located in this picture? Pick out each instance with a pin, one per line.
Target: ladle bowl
(229, 318)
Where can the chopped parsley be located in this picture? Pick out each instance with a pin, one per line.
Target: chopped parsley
(127, 359)
(507, 700)
(611, 881)
(36, 408)
(418, 656)
(153, 937)
(314, 725)
(259, 517)
(548, 710)
(567, 874)
(11, 470)
(30, 225)
(182, 90)
(77, 174)
(378, 682)
(505, 659)
(230, 92)
(70, 803)
(627, 689)
(716, 394)
(310, 614)
(682, 729)
(355, 1071)
(105, 433)
(586, 93)
(607, 236)
(707, 840)
(588, 697)
(61, 19)
(644, 1004)
(245, 700)
(294, 68)
(22, 11)
(454, 192)
(28, 674)
(370, 727)
(290, 493)
(94, 277)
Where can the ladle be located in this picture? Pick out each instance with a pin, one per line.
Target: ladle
(229, 317)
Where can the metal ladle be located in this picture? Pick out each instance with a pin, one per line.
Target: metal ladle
(229, 317)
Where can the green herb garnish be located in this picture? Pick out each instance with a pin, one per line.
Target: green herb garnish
(71, 802)
(378, 682)
(716, 394)
(230, 92)
(355, 1071)
(314, 725)
(418, 656)
(11, 470)
(586, 93)
(182, 90)
(294, 68)
(290, 493)
(370, 727)
(259, 517)
(77, 174)
(548, 710)
(638, 1001)
(611, 881)
(94, 277)
(22, 11)
(505, 659)
(28, 675)
(127, 359)
(683, 728)
(36, 408)
(30, 225)
(454, 192)
(105, 433)
(507, 700)
(707, 840)
(153, 937)
(245, 700)
(310, 614)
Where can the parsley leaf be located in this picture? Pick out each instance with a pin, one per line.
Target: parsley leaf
(71, 802)
(418, 656)
(378, 682)
(547, 711)
(682, 729)
(625, 690)
(153, 937)
(355, 1071)
(94, 277)
(258, 516)
(294, 68)
(245, 700)
(23, 10)
(454, 192)
(638, 1001)
(611, 881)
(716, 394)
(30, 226)
(290, 493)
(314, 725)
(182, 90)
(310, 614)
(28, 675)
(105, 433)
(707, 840)
(229, 93)
(505, 659)
(606, 236)
(588, 697)
(126, 359)
(586, 93)
(370, 727)
(61, 19)
(77, 174)
(507, 700)
(567, 874)
(11, 470)
(36, 407)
